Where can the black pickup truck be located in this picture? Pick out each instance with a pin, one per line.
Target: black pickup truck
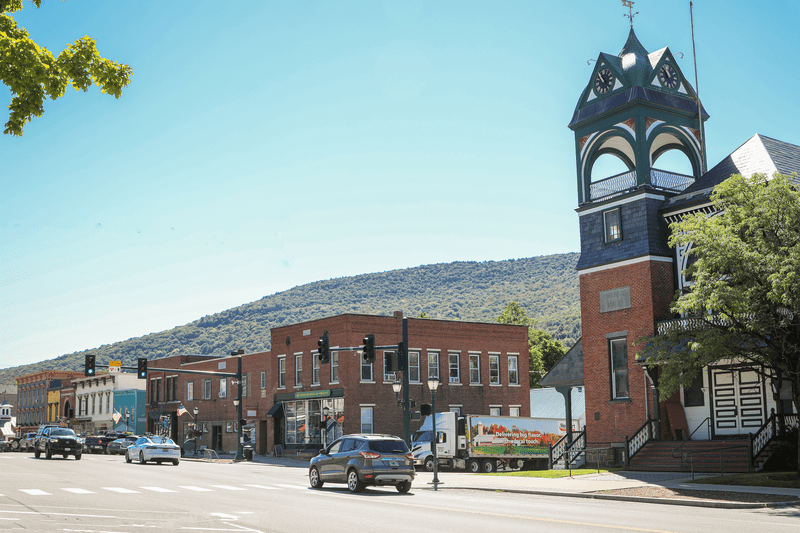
(99, 443)
(52, 441)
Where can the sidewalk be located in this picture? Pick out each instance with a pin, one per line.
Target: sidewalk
(585, 486)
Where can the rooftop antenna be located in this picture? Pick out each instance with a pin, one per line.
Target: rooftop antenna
(697, 95)
(631, 14)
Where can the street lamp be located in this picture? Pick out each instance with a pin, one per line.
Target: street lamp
(433, 385)
(397, 387)
(196, 411)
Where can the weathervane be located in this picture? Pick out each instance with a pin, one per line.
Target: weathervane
(631, 14)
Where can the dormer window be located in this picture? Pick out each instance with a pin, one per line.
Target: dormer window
(612, 225)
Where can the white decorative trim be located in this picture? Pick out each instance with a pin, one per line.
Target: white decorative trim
(604, 207)
(682, 89)
(654, 125)
(628, 262)
(591, 97)
(626, 128)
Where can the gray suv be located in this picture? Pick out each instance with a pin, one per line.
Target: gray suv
(361, 460)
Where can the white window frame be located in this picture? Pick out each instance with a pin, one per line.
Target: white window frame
(315, 371)
(223, 387)
(513, 370)
(369, 370)
(495, 410)
(190, 391)
(298, 369)
(413, 368)
(263, 380)
(494, 369)
(474, 379)
(514, 410)
(368, 411)
(281, 371)
(454, 357)
(433, 364)
(388, 377)
(334, 367)
(207, 389)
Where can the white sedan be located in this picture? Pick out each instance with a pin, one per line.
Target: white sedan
(153, 448)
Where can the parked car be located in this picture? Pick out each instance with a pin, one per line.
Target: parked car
(119, 446)
(153, 448)
(26, 442)
(361, 460)
(98, 443)
(55, 440)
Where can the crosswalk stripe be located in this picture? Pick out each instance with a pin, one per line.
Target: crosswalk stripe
(196, 489)
(120, 490)
(261, 487)
(35, 492)
(79, 491)
(227, 487)
(158, 489)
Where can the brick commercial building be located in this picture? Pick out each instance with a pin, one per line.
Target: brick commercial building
(32, 397)
(287, 392)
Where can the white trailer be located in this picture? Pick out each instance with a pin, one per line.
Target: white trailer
(479, 443)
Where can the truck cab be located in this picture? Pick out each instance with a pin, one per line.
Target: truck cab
(446, 441)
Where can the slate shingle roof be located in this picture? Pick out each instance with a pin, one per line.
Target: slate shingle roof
(568, 371)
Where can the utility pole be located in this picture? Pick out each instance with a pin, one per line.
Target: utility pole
(406, 399)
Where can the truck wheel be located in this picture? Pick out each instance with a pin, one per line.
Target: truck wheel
(474, 466)
(519, 464)
(488, 466)
(78, 456)
(429, 464)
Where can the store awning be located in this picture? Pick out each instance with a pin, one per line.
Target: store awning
(276, 411)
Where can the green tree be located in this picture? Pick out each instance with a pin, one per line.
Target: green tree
(543, 350)
(744, 304)
(32, 73)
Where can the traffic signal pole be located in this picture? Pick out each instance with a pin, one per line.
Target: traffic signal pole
(406, 398)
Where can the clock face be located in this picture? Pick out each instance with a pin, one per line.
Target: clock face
(603, 81)
(667, 76)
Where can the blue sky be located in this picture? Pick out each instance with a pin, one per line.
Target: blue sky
(271, 144)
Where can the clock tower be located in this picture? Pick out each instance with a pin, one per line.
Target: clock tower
(637, 106)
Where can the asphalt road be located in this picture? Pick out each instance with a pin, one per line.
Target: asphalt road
(103, 494)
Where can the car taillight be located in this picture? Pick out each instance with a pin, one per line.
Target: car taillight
(370, 455)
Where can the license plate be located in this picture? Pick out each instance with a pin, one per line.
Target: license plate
(67, 449)
(394, 463)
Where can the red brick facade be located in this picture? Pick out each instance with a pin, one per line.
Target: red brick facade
(651, 285)
(340, 383)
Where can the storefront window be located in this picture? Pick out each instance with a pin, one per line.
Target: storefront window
(303, 417)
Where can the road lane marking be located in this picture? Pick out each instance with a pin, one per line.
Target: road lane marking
(158, 489)
(227, 487)
(35, 492)
(196, 489)
(79, 491)
(261, 487)
(301, 487)
(121, 490)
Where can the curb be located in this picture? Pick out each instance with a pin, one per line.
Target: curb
(717, 504)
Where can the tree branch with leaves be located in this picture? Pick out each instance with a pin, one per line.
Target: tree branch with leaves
(32, 73)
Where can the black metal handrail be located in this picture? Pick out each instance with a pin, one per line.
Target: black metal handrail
(706, 421)
(563, 449)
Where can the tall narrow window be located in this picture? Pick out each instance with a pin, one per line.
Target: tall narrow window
(298, 370)
(281, 372)
(263, 379)
(455, 376)
(366, 419)
(189, 391)
(366, 370)
(413, 367)
(207, 389)
(474, 368)
(513, 372)
(494, 370)
(387, 374)
(334, 367)
(433, 365)
(315, 370)
(619, 368)
(223, 387)
(612, 225)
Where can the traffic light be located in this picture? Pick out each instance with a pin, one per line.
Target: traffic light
(425, 409)
(369, 348)
(141, 368)
(88, 365)
(324, 348)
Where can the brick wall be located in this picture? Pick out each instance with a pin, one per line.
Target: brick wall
(651, 289)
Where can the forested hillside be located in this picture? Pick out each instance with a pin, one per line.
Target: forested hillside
(546, 286)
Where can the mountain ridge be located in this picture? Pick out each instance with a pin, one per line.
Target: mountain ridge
(546, 286)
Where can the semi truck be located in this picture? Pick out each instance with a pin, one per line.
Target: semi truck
(481, 443)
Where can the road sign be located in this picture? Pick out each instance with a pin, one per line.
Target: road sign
(114, 366)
